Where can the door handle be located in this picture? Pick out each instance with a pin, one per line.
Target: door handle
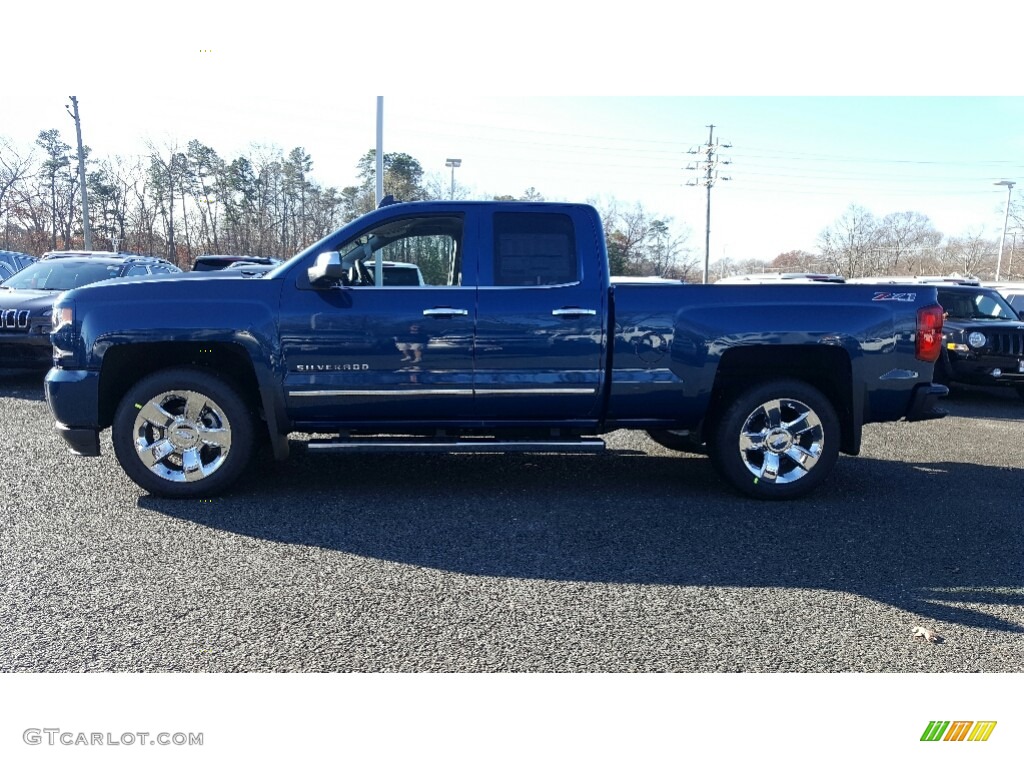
(445, 312)
(573, 312)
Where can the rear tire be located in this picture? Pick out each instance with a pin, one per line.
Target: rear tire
(183, 433)
(777, 440)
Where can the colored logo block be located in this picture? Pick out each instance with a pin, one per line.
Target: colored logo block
(958, 730)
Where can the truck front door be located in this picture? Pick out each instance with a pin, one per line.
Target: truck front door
(389, 348)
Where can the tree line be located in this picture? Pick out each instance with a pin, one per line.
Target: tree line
(903, 244)
(179, 202)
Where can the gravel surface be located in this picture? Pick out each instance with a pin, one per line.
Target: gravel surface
(634, 560)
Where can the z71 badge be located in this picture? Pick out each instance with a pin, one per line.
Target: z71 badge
(887, 296)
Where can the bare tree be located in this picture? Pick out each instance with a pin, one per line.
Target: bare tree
(14, 169)
(849, 246)
(906, 241)
(970, 255)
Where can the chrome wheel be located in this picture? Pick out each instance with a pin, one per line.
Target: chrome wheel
(182, 435)
(781, 441)
(778, 439)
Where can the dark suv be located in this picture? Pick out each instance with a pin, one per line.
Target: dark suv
(983, 338)
(26, 299)
(212, 261)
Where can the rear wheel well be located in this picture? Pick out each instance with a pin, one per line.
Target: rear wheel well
(126, 364)
(826, 368)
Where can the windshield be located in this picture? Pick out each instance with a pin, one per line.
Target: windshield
(963, 305)
(61, 275)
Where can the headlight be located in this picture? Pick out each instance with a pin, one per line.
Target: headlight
(62, 336)
(976, 339)
(61, 317)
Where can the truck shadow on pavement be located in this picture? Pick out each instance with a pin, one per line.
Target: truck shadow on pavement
(910, 536)
(22, 384)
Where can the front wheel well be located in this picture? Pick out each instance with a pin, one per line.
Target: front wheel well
(826, 368)
(126, 364)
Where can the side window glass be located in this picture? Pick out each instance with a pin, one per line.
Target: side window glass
(534, 249)
(136, 270)
(421, 251)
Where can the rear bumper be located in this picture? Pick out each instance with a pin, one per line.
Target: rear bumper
(923, 404)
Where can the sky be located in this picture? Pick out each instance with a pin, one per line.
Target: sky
(794, 165)
(810, 131)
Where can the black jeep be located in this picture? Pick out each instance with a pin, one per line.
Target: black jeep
(983, 338)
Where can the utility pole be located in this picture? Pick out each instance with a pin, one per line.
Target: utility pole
(86, 229)
(709, 167)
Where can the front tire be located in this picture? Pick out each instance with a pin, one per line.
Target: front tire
(777, 440)
(183, 433)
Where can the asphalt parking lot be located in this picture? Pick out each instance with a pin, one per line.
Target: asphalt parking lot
(634, 560)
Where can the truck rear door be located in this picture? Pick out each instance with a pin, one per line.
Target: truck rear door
(541, 315)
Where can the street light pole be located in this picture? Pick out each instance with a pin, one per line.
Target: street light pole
(379, 193)
(453, 163)
(86, 230)
(1006, 217)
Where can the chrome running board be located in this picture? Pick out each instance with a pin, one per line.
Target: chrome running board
(376, 444)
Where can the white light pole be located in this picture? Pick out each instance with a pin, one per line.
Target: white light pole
(453, 163)
(1006, 218)
(380, 153)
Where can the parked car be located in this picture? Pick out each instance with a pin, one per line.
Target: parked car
(70, 254)
(248, 268)
(982, 339)
(13, 261)
(395, 273)
(793, 277)
(1013, 293)
(212, 261)
(26, 299)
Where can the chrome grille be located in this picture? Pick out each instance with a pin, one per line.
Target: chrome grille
(1009, 343)
(14, 320)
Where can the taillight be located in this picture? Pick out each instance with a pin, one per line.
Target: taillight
(929, 333)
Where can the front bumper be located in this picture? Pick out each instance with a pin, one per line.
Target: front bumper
(923, 404)
(83, 441)
(73, 398)
(980, 370)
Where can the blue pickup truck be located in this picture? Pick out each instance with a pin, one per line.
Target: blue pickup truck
(515, 339)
